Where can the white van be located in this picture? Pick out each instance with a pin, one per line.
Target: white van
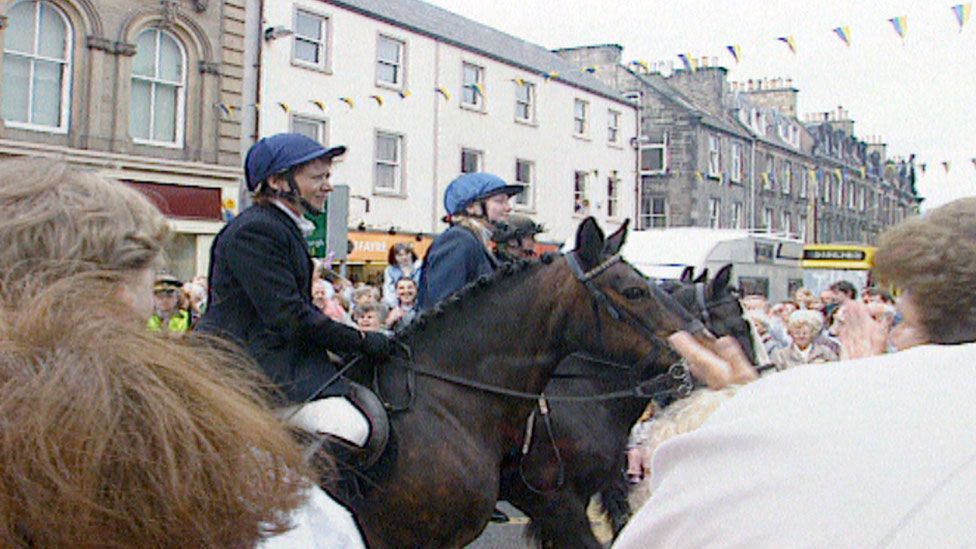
(762, 263)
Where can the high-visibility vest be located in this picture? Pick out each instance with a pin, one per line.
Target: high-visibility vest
(179, 322)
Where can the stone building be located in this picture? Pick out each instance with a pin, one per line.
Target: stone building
(722, 154)
(145, 91)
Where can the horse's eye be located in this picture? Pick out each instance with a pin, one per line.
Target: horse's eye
(635, 293)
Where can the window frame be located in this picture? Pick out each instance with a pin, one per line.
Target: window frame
(581, 124)
(181, 97)
(738, 219)
(651, 145)
(66, 64)
(479, 155)
(325, 26)
(613, 195)
(768, 219)
(398, 164)
(649, 218)
(480, 99)
(714, 213)
(581, 200)
(400, 65)
(714, 156)
(786, 168)
(321, 122)
(529, 193)
(613, 126)
(529, 103)
(736, 174)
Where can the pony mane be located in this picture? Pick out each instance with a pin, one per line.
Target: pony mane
(471, 290)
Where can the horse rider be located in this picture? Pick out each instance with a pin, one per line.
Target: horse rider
(515, 238)
(260, 288)
(475, 203)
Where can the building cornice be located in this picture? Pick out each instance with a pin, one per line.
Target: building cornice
(207, 67)
(202, 174)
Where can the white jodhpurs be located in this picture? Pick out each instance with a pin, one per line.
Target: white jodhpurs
(331, 415)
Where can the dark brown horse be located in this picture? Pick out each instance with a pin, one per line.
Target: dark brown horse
(438, 482)
(580, 452)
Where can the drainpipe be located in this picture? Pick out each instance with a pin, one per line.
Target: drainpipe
(638, 186)
(434, 193)
(752, 185)
(251, 95)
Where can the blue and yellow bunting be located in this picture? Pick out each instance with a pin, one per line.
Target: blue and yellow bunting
(844, 33)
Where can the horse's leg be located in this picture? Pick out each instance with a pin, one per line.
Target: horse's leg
(615, 504)
(563, 523)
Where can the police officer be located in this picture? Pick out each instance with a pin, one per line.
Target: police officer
(475, 203)
(260, 288)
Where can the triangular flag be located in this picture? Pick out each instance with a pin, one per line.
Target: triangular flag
(736, 52)
(765, 178)
(690, 63)
(519, 81)
(973, 160)
(962, 13)
(864, 172)
(479, 87)
(900, 24)
(923, 166)
(946, 164)
(378, 99)
(838, 174)
(404, 94)
(789, 41)
(844, 33)
(551, 75)
(318, 103)
(591, 69)
(284, 106)
(443, 91)
(699, 177)
(643, 65)
(223, 107)
(348, 101)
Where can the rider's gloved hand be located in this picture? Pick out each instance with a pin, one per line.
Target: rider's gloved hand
(376, 345)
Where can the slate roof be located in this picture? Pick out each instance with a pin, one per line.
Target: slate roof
(659, 84)
(451, 28)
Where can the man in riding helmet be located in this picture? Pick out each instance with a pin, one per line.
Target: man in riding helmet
(515, 238)
(475, 203)
(260, 288)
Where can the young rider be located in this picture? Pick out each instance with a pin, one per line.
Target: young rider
(475, 202)
(260, 288)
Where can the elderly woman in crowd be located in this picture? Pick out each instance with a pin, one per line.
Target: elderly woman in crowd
(803, 326)
(114, 435)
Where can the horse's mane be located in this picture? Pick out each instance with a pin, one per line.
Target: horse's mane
(474, 289)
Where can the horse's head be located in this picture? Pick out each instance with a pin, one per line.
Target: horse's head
(617, 312)
(722, 312)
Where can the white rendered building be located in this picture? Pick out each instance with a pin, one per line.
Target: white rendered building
(419, 94)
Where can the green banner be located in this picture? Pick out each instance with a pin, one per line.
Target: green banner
(316, 240)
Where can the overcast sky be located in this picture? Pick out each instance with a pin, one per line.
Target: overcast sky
(916, 94)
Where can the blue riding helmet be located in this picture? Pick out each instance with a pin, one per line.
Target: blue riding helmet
(281, 152)
(469, 188)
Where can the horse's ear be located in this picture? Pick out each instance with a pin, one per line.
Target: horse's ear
(703, 277)
(721, 281)
(616, 240)
(589, 243)
(688, 275)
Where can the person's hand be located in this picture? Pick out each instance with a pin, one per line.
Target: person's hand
(860, 335)
(376, 345)
(395, 316)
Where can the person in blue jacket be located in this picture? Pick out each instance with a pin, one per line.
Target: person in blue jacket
(475, 202)
(260, 288)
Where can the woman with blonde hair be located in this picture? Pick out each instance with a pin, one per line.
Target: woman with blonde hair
(113, 435)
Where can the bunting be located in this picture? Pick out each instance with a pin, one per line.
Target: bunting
(864, 172)
(443, 91)
(551, 75)
(378, 99)
(519, 81)
(900, 25)
(946, 165)
(592, 69)
(973, 160)
(404, 94)
(736, 52)
(641, 64)
(961, 11)
(348, 101)
(284, 106)
(844, 33)
(789, 41)
(690, 63)
(479, 87)
(923, 166)
(318, 103)
(700, 177)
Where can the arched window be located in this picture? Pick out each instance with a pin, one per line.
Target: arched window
(158, 89)
(37, 67)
